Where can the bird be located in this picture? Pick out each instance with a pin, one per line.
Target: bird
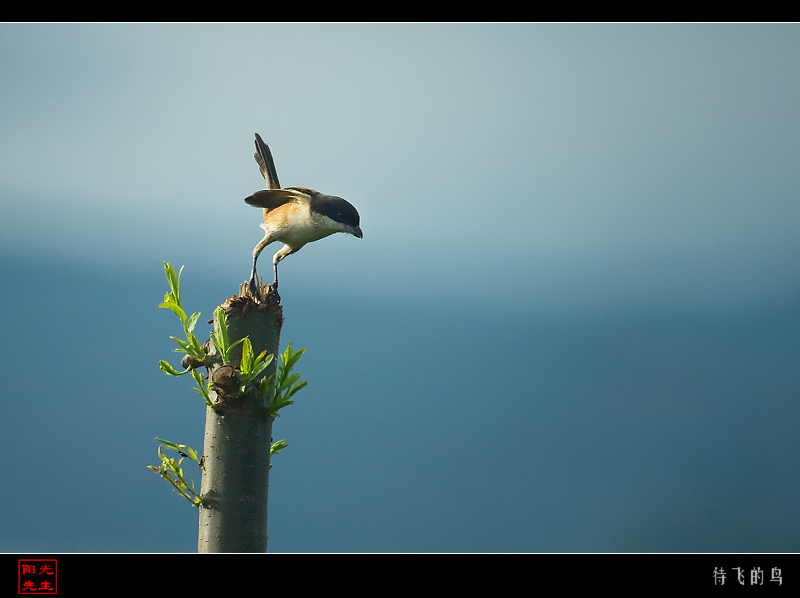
(295, 215)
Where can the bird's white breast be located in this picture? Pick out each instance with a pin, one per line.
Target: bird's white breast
(300, 226)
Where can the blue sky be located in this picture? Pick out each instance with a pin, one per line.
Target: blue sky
(632, 189)
(618, 163)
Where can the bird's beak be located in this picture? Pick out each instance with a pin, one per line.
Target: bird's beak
(357, 232)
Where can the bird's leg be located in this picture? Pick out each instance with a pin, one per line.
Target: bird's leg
(282, 253)
(252, 286)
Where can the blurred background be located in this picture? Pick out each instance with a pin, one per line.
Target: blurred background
(571, 325)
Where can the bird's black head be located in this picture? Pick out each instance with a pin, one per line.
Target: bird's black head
(337, 209)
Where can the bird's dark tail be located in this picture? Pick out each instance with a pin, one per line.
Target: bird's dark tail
(264, 158)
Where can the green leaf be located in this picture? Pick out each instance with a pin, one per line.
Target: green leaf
(171, 470)
(277, 447)
(199, 378)
(167, 368)
(246, 366)
(174, 281)
(287, 354)
(260, 363)
(197, 350)
(176, 309)
(275, 407)
(192, 321)
(299, 386)
(290, 358)
(218, 345)
(230, 347)
(184, 345)
(203, 388)
(265, 386)
(287, 382)
(222, 322)
(169, 444)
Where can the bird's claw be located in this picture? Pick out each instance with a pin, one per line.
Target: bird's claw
(255, 290)
(252, 288)
(273, 290)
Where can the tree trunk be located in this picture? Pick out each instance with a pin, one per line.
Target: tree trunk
(238, 436)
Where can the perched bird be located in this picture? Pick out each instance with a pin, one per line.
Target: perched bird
(295, 215)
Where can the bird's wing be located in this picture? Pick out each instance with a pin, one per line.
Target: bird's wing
(273, 198)
(265, 163)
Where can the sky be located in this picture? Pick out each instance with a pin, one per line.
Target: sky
(571, 324)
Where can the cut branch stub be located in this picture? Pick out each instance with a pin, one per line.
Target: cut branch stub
(238, 436)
